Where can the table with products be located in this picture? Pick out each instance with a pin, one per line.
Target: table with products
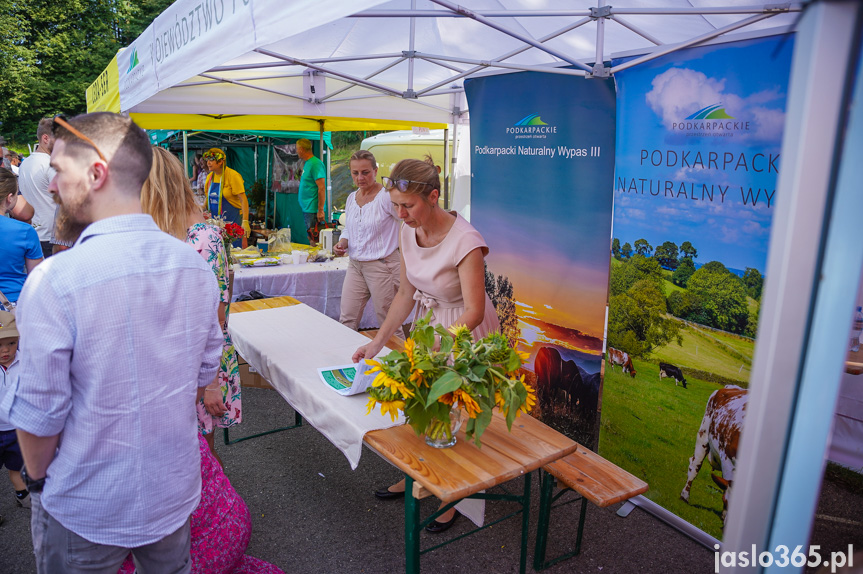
(318, 285)
(287, 342)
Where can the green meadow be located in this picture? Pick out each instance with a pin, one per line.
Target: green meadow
(649, 428)
(699, 350)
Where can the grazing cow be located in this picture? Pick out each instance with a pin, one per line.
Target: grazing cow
(669, 370)
(616, 357)
(717, 440)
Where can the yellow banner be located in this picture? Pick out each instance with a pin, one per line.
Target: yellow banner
(202, 122)
(103, 95)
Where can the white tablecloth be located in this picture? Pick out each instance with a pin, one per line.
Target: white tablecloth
(318, 285)
(288, 345)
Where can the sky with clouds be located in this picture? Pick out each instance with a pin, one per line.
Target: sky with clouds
(749, 80)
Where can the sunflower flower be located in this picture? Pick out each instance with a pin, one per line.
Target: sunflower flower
(530, 401)
(392, 407)
(447, 399)
(375, 366)
(468, 402)
(370, 406)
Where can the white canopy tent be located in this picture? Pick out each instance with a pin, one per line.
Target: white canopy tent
(367, 64)
(391, 63)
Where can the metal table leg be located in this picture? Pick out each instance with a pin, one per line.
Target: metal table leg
(298, 422)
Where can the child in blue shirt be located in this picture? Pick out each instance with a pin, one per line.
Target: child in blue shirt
(10, 452)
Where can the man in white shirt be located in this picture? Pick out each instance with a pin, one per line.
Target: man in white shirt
(119, 336)
(34, 175)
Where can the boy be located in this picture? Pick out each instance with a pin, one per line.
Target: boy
(10, 452)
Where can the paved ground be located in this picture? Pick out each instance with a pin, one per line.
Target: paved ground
(312, 514)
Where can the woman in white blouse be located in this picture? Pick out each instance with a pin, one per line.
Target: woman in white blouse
(371, 239)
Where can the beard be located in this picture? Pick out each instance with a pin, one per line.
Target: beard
(70, 221)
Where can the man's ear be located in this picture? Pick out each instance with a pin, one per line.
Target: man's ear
(98, 174)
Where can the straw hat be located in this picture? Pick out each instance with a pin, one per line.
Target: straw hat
(8, 329)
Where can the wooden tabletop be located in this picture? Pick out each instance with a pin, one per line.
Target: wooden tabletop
(258, 304)
(464, 469)
(854, 362)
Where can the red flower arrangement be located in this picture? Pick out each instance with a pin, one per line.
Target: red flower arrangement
(232, 231)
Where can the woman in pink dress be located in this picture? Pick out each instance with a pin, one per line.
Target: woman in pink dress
(442, 270)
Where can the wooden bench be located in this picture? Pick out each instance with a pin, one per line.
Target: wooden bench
(591, 476)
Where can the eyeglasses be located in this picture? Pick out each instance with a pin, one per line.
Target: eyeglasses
(213, 156)
(61, 121)
(401, 184)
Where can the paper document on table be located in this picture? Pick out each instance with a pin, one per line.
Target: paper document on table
(348, 379)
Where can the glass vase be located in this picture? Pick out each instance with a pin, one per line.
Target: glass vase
(442, 433)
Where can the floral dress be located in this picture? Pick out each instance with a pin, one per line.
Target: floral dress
(221, 527)
(207, 240)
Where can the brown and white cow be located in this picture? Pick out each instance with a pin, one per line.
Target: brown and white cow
(717, 439)
(616, 357)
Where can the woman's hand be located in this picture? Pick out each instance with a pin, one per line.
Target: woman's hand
(367, 351)
(213, 402)
(341, 247)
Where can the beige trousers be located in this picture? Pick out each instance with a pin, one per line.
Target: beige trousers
(376, 279)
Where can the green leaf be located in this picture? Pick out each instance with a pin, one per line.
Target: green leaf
(479, 371)
(424, 336)
(446, 344)
(447, 383)
(483, 419)
(513, 362)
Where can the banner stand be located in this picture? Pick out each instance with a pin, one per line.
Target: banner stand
(672, 520)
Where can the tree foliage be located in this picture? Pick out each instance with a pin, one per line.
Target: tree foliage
(721, 296)
(642, 247)
(666, 254)
(754, 282)
(687, 251)
(626, 251)
(636, 269)
(637, 322)
(615, 248)
(52, 50)
(501, 293)
(684, 271)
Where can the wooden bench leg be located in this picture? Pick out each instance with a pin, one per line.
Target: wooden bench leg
(546, 503)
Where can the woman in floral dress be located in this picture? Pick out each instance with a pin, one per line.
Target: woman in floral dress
(168, 198)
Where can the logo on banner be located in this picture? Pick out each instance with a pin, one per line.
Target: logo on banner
(714, 112)
(712, 121)
(133, 60)
(531, 126)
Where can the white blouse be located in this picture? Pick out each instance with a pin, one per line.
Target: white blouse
(372, 230)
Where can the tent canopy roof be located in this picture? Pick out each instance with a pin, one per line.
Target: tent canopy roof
(402, 62)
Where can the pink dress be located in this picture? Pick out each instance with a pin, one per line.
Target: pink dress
(434, 273)
(221, 527)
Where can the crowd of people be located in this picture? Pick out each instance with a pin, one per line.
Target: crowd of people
(161, 305)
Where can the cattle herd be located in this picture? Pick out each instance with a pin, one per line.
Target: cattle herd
(718, 434)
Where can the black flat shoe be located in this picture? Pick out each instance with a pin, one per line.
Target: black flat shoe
(436, 526)
(386, 494)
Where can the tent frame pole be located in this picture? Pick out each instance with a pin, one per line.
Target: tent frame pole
(693, 42)
(186, 153)
(521, 37)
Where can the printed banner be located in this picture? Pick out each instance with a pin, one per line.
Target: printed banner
(697, 157)
(542, 161)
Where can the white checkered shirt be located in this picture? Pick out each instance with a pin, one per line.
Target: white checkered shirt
(116, 335)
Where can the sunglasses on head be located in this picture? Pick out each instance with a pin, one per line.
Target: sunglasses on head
(401, 184)
(60, 120)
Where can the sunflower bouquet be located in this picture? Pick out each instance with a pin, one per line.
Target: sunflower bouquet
(426, 382)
